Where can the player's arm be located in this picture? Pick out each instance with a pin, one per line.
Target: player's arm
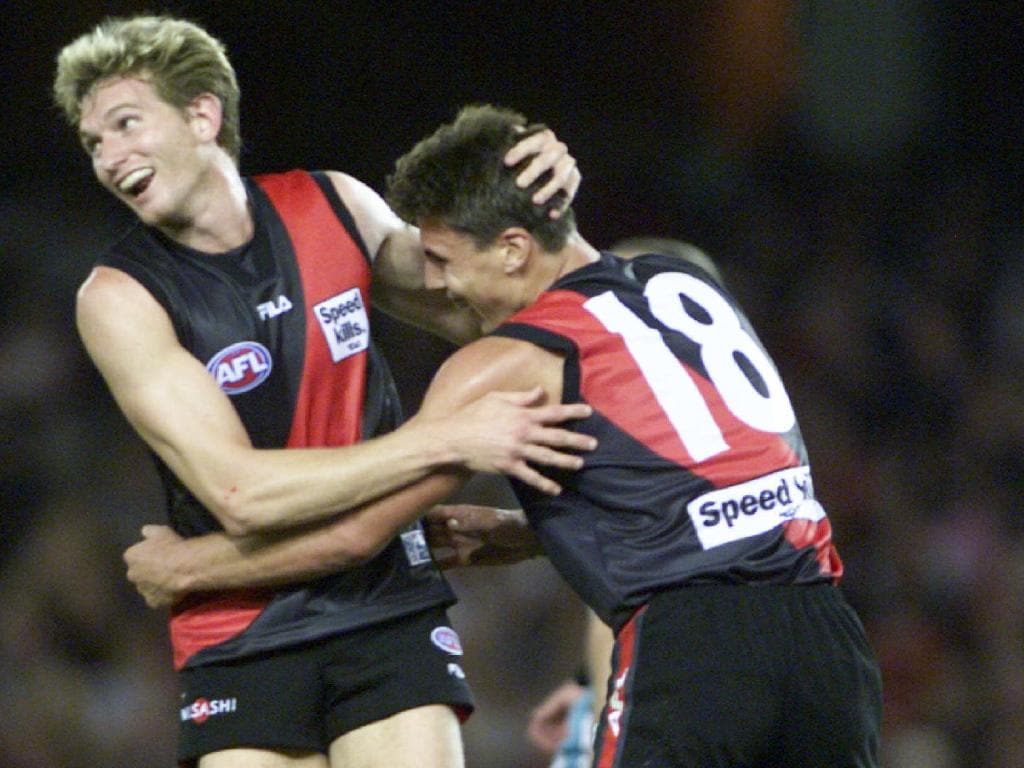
(398, 287)
(177, 408)
(163, 567)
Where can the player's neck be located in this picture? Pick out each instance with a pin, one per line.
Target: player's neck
(577, 253)
(219, 217)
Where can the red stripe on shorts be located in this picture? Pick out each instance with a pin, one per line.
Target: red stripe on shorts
(617, 707)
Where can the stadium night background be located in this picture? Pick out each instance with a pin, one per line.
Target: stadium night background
(854, 169)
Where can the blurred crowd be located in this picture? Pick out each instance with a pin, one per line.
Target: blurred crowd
(855, 173)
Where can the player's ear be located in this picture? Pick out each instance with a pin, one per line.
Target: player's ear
(516, 245)
(205, 115)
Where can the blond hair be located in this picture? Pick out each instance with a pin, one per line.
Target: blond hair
(180, 59)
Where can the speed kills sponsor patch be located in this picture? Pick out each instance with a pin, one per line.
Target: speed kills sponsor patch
(344, 321)
(754, 507)
(240, 367)
(201, 710)
(447, 640)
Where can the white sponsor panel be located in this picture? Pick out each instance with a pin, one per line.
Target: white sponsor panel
(345, 323)
(754, 507)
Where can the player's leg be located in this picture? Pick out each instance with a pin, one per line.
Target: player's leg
(395, 694)
(834, 697)
(264, 710)
(424, 737)
(691, 686)
(260, 758)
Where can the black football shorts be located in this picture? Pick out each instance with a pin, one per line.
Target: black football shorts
(303, 698)
(724, 676)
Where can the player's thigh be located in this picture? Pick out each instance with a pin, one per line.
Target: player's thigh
(423, 737)
(261, 758)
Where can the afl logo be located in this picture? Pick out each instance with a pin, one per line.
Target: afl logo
(240, 367)
(446, 639)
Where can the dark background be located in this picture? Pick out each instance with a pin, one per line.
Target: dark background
(854, 168)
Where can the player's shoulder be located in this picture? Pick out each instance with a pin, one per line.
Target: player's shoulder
(374, 218)
(493, 362)
(106, 282)
(108, 291)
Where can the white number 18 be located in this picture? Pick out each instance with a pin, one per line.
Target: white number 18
(720, 340)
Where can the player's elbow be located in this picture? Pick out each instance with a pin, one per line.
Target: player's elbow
(240, 515)
(235, 522)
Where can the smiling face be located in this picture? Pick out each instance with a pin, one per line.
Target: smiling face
(149, 154)
(488, 280)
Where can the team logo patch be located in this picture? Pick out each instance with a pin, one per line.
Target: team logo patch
(201, 710)
(415, 544)
(241, 367)
(345, 324)
(447, 640)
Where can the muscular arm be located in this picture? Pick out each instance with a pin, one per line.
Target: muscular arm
(164, 567)
(177, 408)
(398, 286)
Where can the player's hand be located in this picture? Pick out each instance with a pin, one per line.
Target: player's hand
(151, 565)
(549, 721)
(548, 154)
(469, 534)
(504, 432)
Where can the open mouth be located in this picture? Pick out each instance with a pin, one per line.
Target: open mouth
(136, 182)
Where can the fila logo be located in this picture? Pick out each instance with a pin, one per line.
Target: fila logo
(271, 309)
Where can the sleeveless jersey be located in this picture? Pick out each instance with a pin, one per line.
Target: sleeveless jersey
(282, 323)
(700, 474)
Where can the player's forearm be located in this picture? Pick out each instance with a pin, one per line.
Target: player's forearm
(433, 312)
(218, 561)
(273, 490)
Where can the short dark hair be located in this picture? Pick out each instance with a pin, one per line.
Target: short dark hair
(457, 177)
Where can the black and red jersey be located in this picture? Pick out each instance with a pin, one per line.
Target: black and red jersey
(700, 474)
(283, 325)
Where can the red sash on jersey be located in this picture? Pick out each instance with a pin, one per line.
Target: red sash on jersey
(330, 403)
(328, 410)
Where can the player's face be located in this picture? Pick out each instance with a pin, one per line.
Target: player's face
(476, 277)
(145, 151)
